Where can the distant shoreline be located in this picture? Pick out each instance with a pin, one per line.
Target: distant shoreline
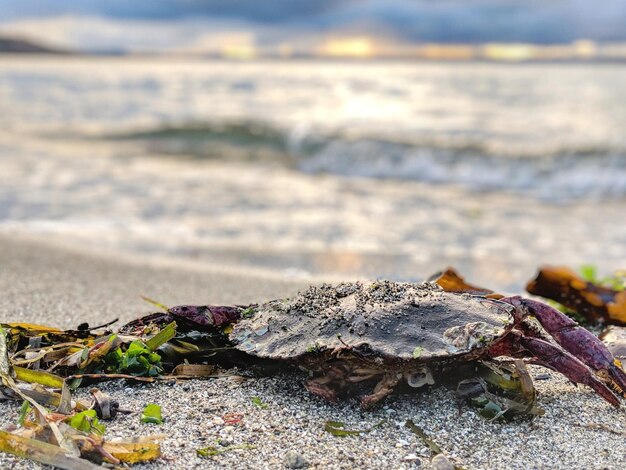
(13, 46)
(10, 45)
(280, 60)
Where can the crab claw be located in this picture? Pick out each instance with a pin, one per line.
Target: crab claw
(616, 377)
(563, 362)
(575, 339)
(321, 389)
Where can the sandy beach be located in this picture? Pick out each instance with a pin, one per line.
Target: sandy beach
(62, 287)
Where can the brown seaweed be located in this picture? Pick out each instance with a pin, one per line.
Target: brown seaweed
(451, 281)
(597, 303)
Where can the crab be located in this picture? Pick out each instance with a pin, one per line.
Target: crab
(385, 333)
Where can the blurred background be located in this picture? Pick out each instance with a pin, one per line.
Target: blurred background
(328, 139)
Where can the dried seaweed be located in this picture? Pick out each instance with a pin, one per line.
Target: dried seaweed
(194, 370)
(337, 428)
(439, 459)
(70, 436)
(601, 427)
(156, 303)
(214, 450)
(232, 419)
(451, 281)
(42, 452)
(432, 445)
(597, 300)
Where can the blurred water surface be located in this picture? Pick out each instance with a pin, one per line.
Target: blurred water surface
(320, 168)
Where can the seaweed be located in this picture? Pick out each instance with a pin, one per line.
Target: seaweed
(451, 281)
(151, 414)
(256, 401)
(87, 421)
(214, 450)
(70, 437)
(585, 296)
(438, 457)
(337, 428)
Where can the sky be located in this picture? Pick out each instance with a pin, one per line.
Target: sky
(157, 25)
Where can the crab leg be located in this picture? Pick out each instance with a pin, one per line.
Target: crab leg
(202, 317)
(515, 344)
(320, 386)
(382, 389)
(329, 384)
(335, 379)
(573, 338)
(207, 315)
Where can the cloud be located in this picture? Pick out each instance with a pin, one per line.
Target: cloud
(149, 25)
(274, 11)
(467, 21)
(96, 34)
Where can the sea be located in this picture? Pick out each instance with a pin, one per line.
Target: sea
(319, 170)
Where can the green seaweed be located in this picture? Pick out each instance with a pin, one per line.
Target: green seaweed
(247, 312)
(138, 359)
(337, 428)
(259, 403)
(213, 450)
(87, 421)
(165, 308)
(616, 281)
(151, 414)
(161, 337)
(24, 410)
(417, 352)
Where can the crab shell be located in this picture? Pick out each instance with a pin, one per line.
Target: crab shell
(393, 322)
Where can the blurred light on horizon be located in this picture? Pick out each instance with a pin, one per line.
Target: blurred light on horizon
(350, 47)
(585, 48)
(509, 52)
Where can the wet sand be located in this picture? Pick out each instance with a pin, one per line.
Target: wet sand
(61, 287)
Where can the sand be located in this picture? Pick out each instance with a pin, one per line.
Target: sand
(63, 287)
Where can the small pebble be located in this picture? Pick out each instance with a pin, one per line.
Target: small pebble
(293, 459)
(441, 462)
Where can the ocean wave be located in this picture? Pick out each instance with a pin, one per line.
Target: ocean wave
(479, 164)
(231, 141)
(559, 175)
